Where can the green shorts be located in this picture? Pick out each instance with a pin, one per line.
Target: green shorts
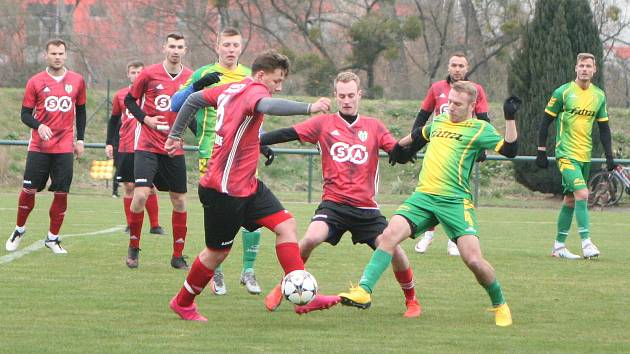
(574, 174)
(457, 215)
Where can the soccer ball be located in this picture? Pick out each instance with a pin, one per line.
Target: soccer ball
(299, 287)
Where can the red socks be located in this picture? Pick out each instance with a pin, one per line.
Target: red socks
(197, 279)
(179, 232)
(405, 279)
(26, 203)
(153, 210)
(288, 254)
(135, 228)
(57, 211)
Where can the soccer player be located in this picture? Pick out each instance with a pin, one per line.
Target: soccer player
(230, 193)
(53, 100)
(154, 87)
(349, 145)
(229, 47)
(123, 124)
(444, 195)
(436, 102)
(575, 106)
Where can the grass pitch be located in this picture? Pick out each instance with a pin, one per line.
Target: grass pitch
(88, 301)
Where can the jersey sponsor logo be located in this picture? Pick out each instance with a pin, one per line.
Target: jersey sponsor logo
(68, 88)
(159, 87)
(444, 108)
(46, 89)
(163, 103)
(342, 152)
(363, 135)
(581, 112)
(335, 133)
(54, 103)
(442, 133)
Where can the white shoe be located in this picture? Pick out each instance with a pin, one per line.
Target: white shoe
(249, 280)
(564, 252)
(14, 240)
(217, 285)
(423, 244)
(451, 249)
(55, 246)
(590, 251)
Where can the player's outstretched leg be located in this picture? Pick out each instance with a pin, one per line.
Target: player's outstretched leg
(320, 302)
(404, 276)
(251, 244)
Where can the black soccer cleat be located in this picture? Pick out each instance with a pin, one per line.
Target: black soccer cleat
(179, 262)
(158, 230)
(132, 257)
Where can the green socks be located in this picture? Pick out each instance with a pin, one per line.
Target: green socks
(372, 273)
(565, 218)
(495, 293)
(581, 216)
(251, 242)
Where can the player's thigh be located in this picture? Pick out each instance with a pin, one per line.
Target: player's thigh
(368, 224)
(61, 171)
(573, 177)
(336, 220)
(457, 216)
(37, 170)
(316, 233)
(173, 172)
(223, 216)
(418, 211)
(145, 167)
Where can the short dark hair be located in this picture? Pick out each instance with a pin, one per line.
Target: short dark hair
(175, 35)
(135, 64)
(56, 42)
(270, 60)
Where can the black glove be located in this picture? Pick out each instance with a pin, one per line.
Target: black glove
(268, 153)
(510, 107)
(401, 155)
(541, 159)
(610, 164)
(482, 156)
(207, 80)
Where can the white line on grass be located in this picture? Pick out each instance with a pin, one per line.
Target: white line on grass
(39, 244)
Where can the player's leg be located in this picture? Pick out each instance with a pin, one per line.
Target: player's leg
(61, 170)
(570, 174)
(589, 250)
(145, 169)
(425, 241)
(124, 174)
(115, 179)
(173, 171)
(251, 245)
(153, 210)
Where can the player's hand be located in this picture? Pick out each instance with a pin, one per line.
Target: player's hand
(268, 153)
(401, 155)
(321, 105)
(207, 80)
(610, 164)
(541, 159)
(172, 145)
(156, 122)
(482, 157)
(44, 132)
(79, 147)
(510, 107)
(109, 151)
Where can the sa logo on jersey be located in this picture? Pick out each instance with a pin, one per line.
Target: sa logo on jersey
(68, 88)
(342, 152)
(54, 103)
(163, 103)
(363, 135)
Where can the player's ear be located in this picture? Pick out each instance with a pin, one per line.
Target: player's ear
(360, 94)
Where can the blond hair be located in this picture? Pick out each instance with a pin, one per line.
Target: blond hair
(346, 76)
(466, 87)
(584, 56)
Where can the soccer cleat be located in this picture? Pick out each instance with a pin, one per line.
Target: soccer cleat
(590, 251)
(413, 308)
(217, 285)
(249, 280)
(274, 298)
(186, 313)
(357, 297)
(55, 246)
(564, 252)
(502, 315)
(158, 230)
(451, 249)
(179, 262)
(320, 302)
(14, 240)
(132, 257)
(127, 229)
(423, 244)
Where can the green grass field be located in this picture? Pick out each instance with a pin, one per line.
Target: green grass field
(88, 301)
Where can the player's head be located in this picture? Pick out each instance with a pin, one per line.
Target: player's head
(461, 100)
(56, 53)
(585, 67)
(347, 90)
(174, 47)
(457, 67)
(229, 47)
(271, 68)
(134, 68)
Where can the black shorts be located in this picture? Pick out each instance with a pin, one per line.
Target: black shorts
(223, 215)
(364, 224)
(167, 174)
(124, 167)
(40, 166)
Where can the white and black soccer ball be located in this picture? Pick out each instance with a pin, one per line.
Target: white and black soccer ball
(299, 287)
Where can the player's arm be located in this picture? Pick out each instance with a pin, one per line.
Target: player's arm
(543, 131)
(284, 107)
(27, 118)
(421, 119)
(606, 138)
(483, 116)
(510, 143)
(406, 148)
(81, 122)
(186, 114)
(180, 96)
(279, 136)
(112, 130)
(132, 105)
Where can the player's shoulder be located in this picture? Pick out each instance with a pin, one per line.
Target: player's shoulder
(187, 71)
(372, 121)
(245, 70)
(564, 88)
(597, 90)
(152, 69)
(441, 84)
(123, 91)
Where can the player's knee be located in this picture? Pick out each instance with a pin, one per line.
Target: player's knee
(581, 194)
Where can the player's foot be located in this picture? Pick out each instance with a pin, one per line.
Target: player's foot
(590, 251)
(249, 280)
(502, 315)
(217, 285)
(564, 252)
(14, 240)
(115, 195)
(423, 244)
(274, 298)
(186, 313)
(413, 308)
(451, 249)
(132, 257)
(179, 262)
(55, 246)
(158, 230)
(357, 297)
(320, 302)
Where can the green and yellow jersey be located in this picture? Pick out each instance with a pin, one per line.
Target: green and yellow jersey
(207, 117)
(451, 154)
(576, 110)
